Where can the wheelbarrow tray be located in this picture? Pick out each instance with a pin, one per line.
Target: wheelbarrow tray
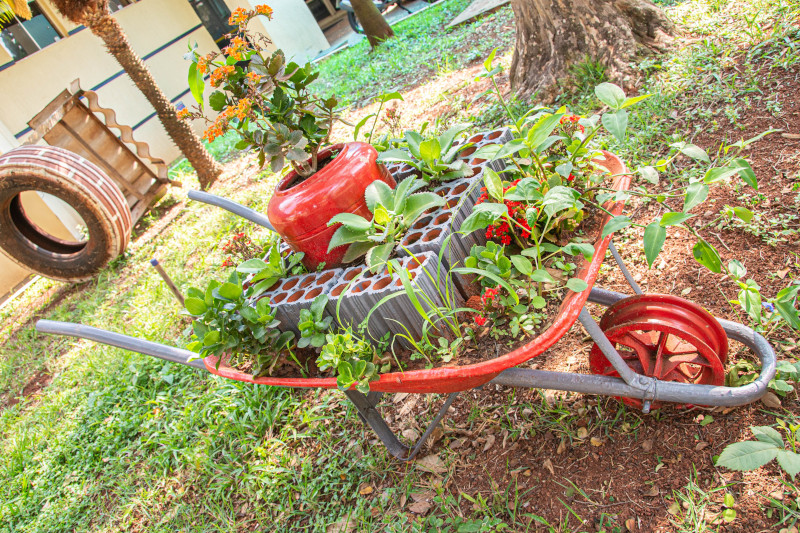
(446, 379)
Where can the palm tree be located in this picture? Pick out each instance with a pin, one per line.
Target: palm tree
(96, 15)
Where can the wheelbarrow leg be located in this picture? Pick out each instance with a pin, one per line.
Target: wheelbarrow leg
(365, 404)
(623, 268)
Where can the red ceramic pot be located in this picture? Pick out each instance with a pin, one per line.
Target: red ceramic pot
(300, 211)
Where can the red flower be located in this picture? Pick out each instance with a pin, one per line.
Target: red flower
(505, 239)
(571, 178)
(227, 263)
(480, 320)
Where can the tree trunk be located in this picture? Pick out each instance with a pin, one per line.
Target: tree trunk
(375, 26)
(98, 18)
(554, 34)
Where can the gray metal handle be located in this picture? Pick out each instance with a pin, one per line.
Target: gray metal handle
(229, 205)
(154, 349)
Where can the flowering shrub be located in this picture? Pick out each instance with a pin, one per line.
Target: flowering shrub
(261, 96)
(239, 249)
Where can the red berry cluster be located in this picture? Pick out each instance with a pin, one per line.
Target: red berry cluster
(502, 230)
(573, 119)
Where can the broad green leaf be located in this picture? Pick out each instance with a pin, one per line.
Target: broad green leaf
(196, 84)
(696, 194)
(542, 129)
(395, 155)
(446, 139)
(674, 218)
(542, 276)
(356, 250)
(707, 255)
(654, 237)
(768, 434)
(249, 313)
(788, 312)
(635, 100)
(693, 151)
(430, 150)
(747, 455)
(418, 203)
(789, 461)
(494, 185)
(583, 248)
(361, 125)
(413, 139)
(615, 224)
(378, 255)
(745, 172)
(538, 302)
(381, 215)
(351, 221)
(251, 266)
(523, 264)
(388, 97)
(487, 63)
(345, 235)
(560, 198)
(650, 174)
(716, 174)
(611, 95)
(743, 213)
(616, 123)
(217, 100)
(376, 193)
(195, 306)
(577, 285)
(229, 290)
(736, 269)
(212, 337)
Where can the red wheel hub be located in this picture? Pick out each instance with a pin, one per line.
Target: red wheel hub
(664, 337)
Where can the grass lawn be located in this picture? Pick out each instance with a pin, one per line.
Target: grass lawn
(96, 439)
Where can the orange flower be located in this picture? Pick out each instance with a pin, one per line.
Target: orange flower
(242, 109)
(236, 48)
(184, 113)
(240, 16)
(202, 64)
(252, 77)
(221, 74)
(265, 10)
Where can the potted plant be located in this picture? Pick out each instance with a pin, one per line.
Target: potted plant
(268, 103)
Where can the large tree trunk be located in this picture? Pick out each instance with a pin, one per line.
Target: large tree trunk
(553, 34)
(375, 26)
(97, 17)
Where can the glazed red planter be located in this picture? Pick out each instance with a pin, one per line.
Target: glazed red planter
(300, 213)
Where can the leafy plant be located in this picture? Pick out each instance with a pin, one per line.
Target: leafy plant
(351, 358)
(313, 324)
(769, 445)
(228, 319)
(393, 212)
(266, 272)
(264, 98)
(765, 312)
(435, 157)
(744, 372)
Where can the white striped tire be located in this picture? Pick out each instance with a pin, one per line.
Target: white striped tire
(83, 186)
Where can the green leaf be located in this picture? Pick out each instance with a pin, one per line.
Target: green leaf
(446, 139)
(228, 290)
(356, 250)
(788, 312)
(196, 84)
(481, 219)
(212, 337)
(430, 150)
(696, 194)
(747, 455)
(376, 193)
(416, 204)
(494, 185)
(674, 218)
(395, 155)
(495, 278)
(217, 100)
(583, 248)
(654, 237)
(615, 224)
(745, 172)
(743, 213)
(736, 269)
(693, 151)
(542, 276)
(728, 501)
(789, 461)
(361, 125)
(611, 95)
(650, 174)
(542, 129)
(523, 264)
(617, 124)
(381, 215)
(195, 306)
(413, 139)
(345, 235)
(716, 174)
(379, 255)
(388, 97)
(577, 285)
(248, 313)
(351, 221)
(251, 266)
(635, 100)
(707, 255)
(560, 198)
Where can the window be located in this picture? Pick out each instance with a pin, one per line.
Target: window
(23, 37)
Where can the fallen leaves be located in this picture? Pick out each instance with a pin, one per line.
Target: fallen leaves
(365, 489)
(647, 445)
(771, 400)
(489, 443)
(652, 493)
(548, 464)
(432, 463)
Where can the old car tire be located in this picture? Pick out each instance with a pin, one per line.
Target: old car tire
(82, 185)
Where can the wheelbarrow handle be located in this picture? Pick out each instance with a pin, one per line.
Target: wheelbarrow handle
(229, 205)
(153, 349)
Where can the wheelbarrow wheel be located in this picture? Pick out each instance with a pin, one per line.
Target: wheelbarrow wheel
(664, 337)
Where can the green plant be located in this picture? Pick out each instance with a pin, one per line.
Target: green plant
(435, 157)
(313, 324)
(266, 272)
(228, 319)
(393, 212)
(769, 445)
(351, 358)
(744, 372)
(264, 98)
(766, 314)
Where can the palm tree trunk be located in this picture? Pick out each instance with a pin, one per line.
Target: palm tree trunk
(375, 26)
(99, 20)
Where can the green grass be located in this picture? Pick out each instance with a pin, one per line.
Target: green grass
(123, 442)
(422, 47)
